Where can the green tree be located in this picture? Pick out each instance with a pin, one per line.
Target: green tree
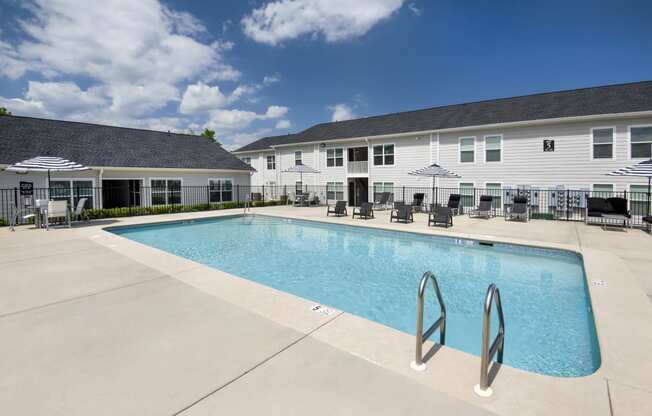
(4, 112)
(208, 133)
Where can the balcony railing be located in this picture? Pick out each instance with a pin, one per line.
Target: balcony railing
(358, 167)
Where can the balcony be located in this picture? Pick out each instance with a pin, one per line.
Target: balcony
(358, 167)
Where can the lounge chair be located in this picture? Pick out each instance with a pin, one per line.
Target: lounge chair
(57, 210)
(484, 209)
(607, 211)
(382, 201)
(403, 213)
(339, 209)
(442, 216)
(80, 211)
(417, 201)
(454, 203)
(519, 210)
(365, 211)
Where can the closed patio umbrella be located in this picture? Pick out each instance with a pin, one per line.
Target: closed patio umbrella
(46, 164)
(642, 170)
(434, 171)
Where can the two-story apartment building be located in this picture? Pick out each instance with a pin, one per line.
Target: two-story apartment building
(558, 140)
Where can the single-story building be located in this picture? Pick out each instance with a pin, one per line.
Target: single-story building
(128, 167)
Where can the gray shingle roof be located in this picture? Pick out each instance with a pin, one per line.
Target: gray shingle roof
(611, 99)
(98, 145)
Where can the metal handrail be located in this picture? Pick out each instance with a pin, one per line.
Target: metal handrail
(498, 344)
(440, 323)
(246, 207)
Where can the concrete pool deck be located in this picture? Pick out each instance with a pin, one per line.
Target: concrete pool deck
(93, 323)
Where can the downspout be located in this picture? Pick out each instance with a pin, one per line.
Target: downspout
(100, 196)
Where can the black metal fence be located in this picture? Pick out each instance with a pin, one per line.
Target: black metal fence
(550, 204)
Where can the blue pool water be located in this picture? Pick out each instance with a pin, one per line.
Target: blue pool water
(375, 274)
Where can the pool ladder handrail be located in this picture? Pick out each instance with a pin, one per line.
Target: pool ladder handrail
(440, 323)
(498, 344)
(247, 207)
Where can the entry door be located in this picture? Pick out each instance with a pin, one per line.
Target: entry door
(361, 191)
(351, 187)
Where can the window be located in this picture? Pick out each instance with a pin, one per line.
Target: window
(334, 157)
(384, 154)
(380, 187)
(271, 162)
(603, 190)
(166, 191)
(298, 158)
(220, 190)
(641, 142)
(335, 191)
(603, 143)
(466, 194)
(640, 204)
(467, 149)
(298, 187)
(495, 189)
(493, 148)
(72, 191)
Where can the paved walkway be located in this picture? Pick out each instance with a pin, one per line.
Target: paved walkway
(88, 331)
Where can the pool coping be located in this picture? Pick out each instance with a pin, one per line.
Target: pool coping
(449, 370)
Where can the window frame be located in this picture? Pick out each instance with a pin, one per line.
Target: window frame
(459, 149)
(373, 155)
(613, 143)
(335, 158)
(497, 202)
(273, 162)
(462, 195)
(220, 191)
(166, 179)
(337, 189)
(71, 197)
(300, 159)
(613, 189)
(500, 136)
(629, 141)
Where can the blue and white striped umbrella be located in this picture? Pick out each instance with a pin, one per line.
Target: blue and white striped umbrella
(434, 171)
(642, 169)
(300, 169)
(46, 164)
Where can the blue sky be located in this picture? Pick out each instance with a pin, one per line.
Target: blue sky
(249, 69)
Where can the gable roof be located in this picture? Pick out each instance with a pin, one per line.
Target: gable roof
(98, 145)
(611, 99)
(266, 143)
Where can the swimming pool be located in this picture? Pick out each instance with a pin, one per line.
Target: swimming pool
(375, 274)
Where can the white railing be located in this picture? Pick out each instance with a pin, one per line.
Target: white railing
(358, 166)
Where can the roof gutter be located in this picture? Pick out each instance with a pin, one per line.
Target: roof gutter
(479, 126)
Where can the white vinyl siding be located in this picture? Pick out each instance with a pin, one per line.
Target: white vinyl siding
(641, 142)
(493, 146)
(603, 143)
(467, 149)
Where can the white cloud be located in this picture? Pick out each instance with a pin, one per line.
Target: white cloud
(336, 20)
(283, 124)
(201, 97)
(233, 120)
(271, 79)
(415, 9)
(235, 141)
(341, 112)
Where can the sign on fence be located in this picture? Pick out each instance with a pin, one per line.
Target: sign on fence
(26, 188)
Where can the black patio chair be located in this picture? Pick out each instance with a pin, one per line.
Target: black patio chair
(647, 221)
(403, 213)
(454, 203)
(442, 216)
(417, 201)
(339, 209)
(365, 211)
(519, 210)
(382, 201)
(483, 210)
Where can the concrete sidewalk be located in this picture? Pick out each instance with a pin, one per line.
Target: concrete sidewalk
(88, 331)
